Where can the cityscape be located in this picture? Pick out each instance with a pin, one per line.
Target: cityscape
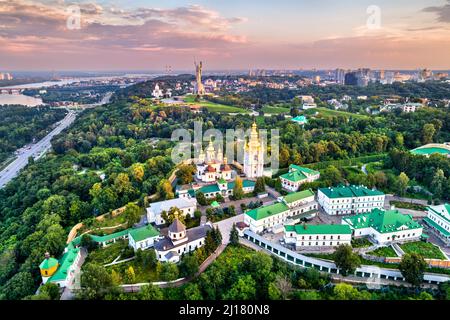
(184, 152)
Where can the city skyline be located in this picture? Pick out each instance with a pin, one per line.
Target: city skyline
(148, 35)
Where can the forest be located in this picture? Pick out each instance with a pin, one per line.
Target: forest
(20, 124)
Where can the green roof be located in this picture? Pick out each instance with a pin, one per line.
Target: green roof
(441, 214)
(428, 151)
(300, 119)
(245, 184)
(319, 229)
(295, 196)
(297, 173)
(65, 263)
(109, 237)
(221, 181)
(433, 224)
(349, 192)
(48, 263)
(143, 233)
(215, 204)
(382, 221)
(267, 211)
(215, 188)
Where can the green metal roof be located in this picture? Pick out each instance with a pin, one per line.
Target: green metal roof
(297, 173)
(349, 192)
(440, 214)
(433, 224)
(319, 229)
(210, 188)
(215, 187)
(48, 263)
(428, 151)
(295, 196)
(109, 237)
(65, 263)
(382, 221)
(143, 233)
(301, 119)
(267, 211)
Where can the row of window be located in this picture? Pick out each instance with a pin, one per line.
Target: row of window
(446, 226)
(306, 244)
(353, 200)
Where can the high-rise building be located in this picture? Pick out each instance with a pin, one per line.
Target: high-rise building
(339, 76)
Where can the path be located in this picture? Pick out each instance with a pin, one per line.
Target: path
(36, 151)
(364, 170)
(390, 197)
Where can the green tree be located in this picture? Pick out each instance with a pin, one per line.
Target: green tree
(234, 236)
(130, 276)
(344, 291)
(88, 243)
(146, 258)
(116, 278)
(51, 290)
(172, 214)
(151, 292)
(137, 171)
(402, 183)
(165, 189)
(243, 289)
(19, 286)
(189, 265)
(412, 268)
(238, 192)
(260, 185)
(132, 214)
(168, 271)
(346, 260)
(192, 292)
(438, 183)
(96, 282)
(428, 132)
(185, 174)
(332, 174)
(201, 199)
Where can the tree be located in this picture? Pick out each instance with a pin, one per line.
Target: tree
(402, 183)
(172, 214)
(238, 192)
(137, 171)
(346, 260)
(130, 276)
(201, 199)
(260, 185)
(243, 289)
(438, 183)
(234, 236)
(116, 278)
(219, 198)
(188, 266)
(51, 290)
(96, 282)
(344, 291)
(146, 258)
(165, 189)
(428, 132)
(132, 214)
(87, 242)
(192, 292)
(19, 286)
(412, 268)
(151, 292)
(167, 271)
(283, 285)
(332, 174)
(185, 173)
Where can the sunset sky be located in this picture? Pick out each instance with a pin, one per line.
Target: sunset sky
(225, 34)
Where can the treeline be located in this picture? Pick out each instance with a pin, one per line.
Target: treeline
(20, 124)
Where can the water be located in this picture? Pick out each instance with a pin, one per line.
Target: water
(6, 99)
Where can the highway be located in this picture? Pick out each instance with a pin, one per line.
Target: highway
(35, 150)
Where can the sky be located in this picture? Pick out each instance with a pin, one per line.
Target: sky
(225, 34)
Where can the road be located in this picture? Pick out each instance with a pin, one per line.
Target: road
(36, 151)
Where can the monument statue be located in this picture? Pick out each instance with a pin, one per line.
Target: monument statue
(199, 88)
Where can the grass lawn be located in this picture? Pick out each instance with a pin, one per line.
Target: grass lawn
(334, 113)
(383, 252)
(214, 107)
(107, 254)
(395, 266)
(425, 249)
(361, 243)
(108, 221)
(374, 166)
(142, 274)
(408, 205)
(275, 110)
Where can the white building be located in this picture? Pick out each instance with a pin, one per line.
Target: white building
(384, 226)
(254, 155)
(323, 235)
(297, 176)
(186, 205)
(157, 92)
(349, 200)
(438, 218)
(306, 99)
(307, 106)
(180, 241)
(289, 209)
(143, 237)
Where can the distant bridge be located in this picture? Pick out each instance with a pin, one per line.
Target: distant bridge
(11, 90)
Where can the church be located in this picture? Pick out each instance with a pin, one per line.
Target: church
(213, 166)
